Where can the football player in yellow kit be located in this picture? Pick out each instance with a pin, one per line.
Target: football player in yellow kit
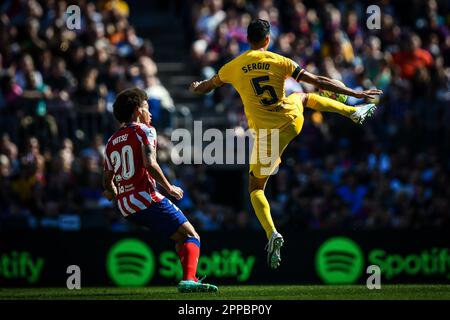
(258, 76)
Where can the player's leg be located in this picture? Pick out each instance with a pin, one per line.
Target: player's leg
(260, 204)
(262, 211)
(264, 163)
(168, 220)
(260, 172)
(261, 167)
(188, 249)
(323, 104)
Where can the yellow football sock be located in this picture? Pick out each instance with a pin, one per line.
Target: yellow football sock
(320, 103)
(262, 210)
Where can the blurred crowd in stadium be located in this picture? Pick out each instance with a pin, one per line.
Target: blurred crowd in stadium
(57, 89)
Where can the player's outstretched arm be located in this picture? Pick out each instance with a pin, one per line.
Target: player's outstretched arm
(205, 86)
(325, 83)
(149, 155)
(110, 189)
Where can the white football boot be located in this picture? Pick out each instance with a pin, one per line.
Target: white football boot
(273, 250)
(364, 111)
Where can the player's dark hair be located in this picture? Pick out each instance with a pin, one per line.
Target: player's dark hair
(257, 30)
(127, 102)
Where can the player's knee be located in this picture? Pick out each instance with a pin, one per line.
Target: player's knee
(304, 98)
(255, 184)
(192, 234)
(252, 188)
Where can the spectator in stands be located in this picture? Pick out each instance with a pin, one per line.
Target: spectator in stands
(210, 17)
(61, 82)
(160, 102)
(411, 58)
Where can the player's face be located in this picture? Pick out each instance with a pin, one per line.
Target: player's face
(144, 114)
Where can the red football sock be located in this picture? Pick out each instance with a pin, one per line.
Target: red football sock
(189, 254)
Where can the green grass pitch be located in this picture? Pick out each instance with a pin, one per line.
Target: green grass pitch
(261, 292)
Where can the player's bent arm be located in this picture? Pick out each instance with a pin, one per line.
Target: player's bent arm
(205, 86)
(325, 83)
(153, 167)
(110, 189)
(149, 155)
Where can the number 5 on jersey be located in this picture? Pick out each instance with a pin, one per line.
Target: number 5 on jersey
(260, 89)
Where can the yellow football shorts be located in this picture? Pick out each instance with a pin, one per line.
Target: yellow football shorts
(269, 145)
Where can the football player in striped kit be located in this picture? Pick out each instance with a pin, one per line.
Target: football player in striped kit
(130, 175)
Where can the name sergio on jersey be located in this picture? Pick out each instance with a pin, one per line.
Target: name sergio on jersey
(256, 66)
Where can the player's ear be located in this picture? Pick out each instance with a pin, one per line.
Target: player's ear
(137, 112)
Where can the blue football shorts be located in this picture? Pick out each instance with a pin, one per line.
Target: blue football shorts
(163, 217)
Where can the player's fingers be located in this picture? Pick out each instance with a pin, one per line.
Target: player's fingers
(375, 91)
(194, 85)
(177, 192)
(369, 96)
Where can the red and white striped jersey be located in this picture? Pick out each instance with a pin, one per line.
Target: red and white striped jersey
(136, 189)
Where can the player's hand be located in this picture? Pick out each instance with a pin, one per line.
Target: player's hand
(109, 195)
(194, 86)
(176, 192)
(370, 94)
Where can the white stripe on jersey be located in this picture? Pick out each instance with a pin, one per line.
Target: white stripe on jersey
(150, 133)
(125, 203)
(146, 195)
(139, 137)
(121, 209)
(137, 203)
(158, 196)
(108, 164)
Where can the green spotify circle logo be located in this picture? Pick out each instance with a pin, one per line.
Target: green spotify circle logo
(339, 260)
(130, 263)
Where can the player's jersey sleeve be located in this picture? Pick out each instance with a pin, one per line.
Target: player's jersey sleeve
(292, 68)
(146, 135)
(225, 73)
(151, 136)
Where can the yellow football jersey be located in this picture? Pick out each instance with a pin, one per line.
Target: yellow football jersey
(258, 76)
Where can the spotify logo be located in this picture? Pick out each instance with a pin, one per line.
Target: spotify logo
(339, 260)
(130, 263)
